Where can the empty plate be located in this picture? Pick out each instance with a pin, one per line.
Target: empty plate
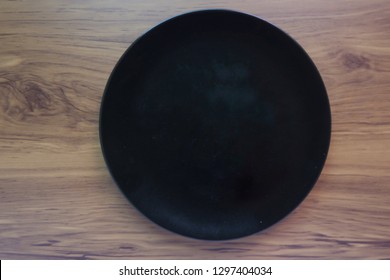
(215, 124)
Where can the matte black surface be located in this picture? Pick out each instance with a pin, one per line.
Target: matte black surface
(215, 124)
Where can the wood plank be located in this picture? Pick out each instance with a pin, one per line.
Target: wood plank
(57, 200)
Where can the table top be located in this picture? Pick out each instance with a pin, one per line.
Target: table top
(57, 199)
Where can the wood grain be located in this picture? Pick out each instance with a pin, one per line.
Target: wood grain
(57, 200)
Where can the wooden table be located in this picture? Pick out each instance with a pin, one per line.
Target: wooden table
(57, 199)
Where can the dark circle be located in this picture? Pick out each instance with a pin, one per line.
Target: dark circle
(215, 124)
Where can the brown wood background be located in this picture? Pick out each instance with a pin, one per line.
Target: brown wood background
(57, 199)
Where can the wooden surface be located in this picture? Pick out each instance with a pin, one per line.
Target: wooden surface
(57, 199)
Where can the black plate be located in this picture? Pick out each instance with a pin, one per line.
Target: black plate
(215, 124)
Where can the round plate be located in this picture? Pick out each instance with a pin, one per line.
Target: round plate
(215, 124)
